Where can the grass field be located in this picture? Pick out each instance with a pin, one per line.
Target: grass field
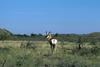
(37, 54)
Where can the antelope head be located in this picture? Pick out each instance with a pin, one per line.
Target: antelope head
(48, 35)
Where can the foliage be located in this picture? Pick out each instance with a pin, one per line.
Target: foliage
(7, 35)
(11, 56)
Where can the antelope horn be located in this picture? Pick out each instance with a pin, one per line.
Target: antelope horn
(46, 32)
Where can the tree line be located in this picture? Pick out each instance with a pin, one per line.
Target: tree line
(90, 37)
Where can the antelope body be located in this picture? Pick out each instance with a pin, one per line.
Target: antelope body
(52, 42)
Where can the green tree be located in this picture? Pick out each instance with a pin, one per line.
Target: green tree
(80, 42)
(5, 34)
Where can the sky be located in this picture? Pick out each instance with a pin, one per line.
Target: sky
(56, 16)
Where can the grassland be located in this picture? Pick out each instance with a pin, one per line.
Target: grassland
(37, 54)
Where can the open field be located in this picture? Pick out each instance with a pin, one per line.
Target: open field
(37, 54)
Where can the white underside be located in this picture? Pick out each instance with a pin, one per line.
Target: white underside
(54, 41)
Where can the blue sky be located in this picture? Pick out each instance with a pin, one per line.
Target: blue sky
(57, 16)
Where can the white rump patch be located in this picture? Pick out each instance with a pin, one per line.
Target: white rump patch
(54, 41)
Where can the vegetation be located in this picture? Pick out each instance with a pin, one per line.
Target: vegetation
(73, 50)
(37, 54)
(7, 35)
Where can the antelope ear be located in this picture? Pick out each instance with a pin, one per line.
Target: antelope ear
(49, 33)
(46, 33)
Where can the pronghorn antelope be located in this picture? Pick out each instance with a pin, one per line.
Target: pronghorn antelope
(52, 41)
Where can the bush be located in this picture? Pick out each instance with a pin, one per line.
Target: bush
(86, 51)
(28, 45)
